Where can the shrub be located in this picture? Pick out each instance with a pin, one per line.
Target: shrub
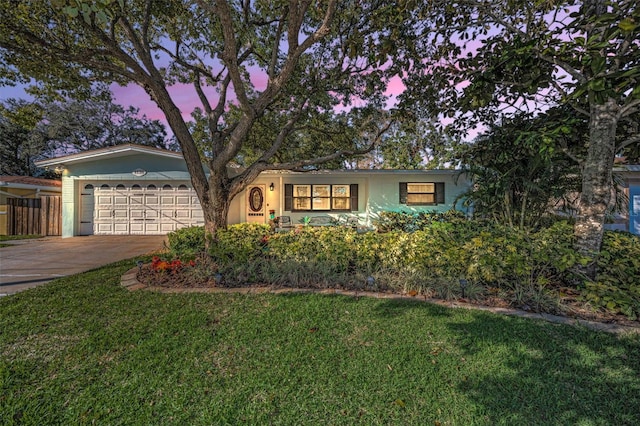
(187, 243)
(524, 265)
(617, 284)
(411, 222)
(240, 243)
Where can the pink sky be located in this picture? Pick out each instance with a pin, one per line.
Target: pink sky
(187, 100)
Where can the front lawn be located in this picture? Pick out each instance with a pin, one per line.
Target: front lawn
(16, 237)
(82, 349)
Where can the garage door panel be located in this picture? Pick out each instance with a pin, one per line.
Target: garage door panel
(167, 227)
(121, 199)
(137, 227)
(152, 227)
(121, 228)
(168, 200)
(145, 210)
(104, 200)
(104, 228)
(136, 213)
(151, 214)
(104, 214)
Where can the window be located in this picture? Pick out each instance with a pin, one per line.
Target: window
(421, 193)
(322, 197)
(167, 187)
(120, 186)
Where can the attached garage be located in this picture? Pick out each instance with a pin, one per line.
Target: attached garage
(126, 190)
(129, 208)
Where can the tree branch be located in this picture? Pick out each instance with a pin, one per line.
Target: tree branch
(630, 141)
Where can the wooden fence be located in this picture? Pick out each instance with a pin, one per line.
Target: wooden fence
(34, 216)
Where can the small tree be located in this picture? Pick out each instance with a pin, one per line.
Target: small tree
(526, 166)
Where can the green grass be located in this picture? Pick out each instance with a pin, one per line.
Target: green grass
(18, 237)
(82, 349)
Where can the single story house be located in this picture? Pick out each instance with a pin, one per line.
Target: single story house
(23, 187)
(132, 189)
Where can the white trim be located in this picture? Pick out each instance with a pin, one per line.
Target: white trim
(32, 187)
(112, 151)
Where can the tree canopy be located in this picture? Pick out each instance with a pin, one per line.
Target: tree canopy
(253, 65)
(31, 131)
(483, 62)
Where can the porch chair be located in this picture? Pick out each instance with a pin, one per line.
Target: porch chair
(284, 223)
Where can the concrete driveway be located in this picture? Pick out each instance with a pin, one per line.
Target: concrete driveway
(28, 263)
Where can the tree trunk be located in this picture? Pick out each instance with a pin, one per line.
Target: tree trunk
(596, 182)
(216, 209)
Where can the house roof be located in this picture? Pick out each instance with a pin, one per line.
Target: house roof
(110, 151)
(362, 171)
(29, 182)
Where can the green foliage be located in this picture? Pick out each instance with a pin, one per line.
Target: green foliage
(187, 243)
(520, 168)
(410, 222)
(239, 244)
(526, 266)
(617, 285)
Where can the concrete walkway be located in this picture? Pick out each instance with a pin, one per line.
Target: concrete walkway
(28, 263)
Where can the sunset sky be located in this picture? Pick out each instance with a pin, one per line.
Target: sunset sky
(183, 95)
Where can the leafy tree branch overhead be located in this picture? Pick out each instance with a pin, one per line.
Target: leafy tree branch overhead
(486, 61)
(313, 58)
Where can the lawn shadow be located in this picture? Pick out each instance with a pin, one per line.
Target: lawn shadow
(393, 308)
(550, 373)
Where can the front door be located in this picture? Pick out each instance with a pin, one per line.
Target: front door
(86, 210)
(256, 204)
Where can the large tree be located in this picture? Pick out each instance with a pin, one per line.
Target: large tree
(21, 141)
(484, 61)
(35, 130)
(73, 125)
(288, 63)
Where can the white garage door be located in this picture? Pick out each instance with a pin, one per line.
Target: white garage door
(150, 209)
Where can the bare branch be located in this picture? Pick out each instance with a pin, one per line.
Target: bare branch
(630, 108)
(630, 141)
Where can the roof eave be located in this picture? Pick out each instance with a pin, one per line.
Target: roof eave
(108, 151)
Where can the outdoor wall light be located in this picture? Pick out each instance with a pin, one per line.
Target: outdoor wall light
(463, 285)
(271, 187)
